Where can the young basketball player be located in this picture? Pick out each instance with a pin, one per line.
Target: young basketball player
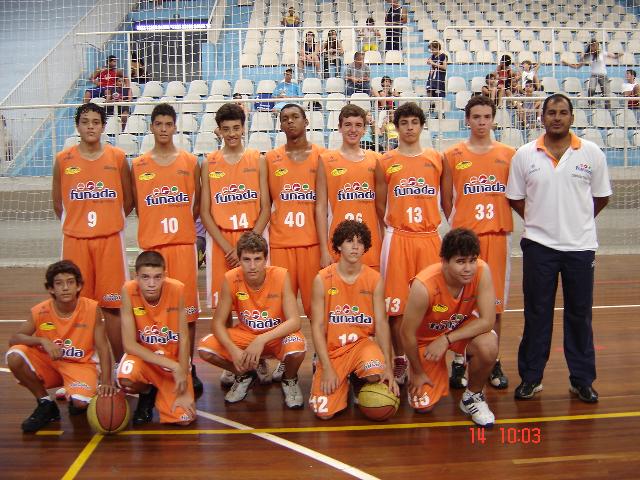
(347, 311)
(293, 238)
(346, 187)
(57, 346)
(408, 179)
(166, 186)
(473, 196)
(451, 306)
(156, 341)
(91, 193)
(235, 199)
(269, 323)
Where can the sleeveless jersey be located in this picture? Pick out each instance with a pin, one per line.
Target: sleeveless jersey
(92, 203)
(351, 195)
(445, 313)
(258, 311)
(165, 200)
(158, 327)
(293, 194)
(479, 185)
(234, 190)
(413, 190)
(75, 335)
(348, 308)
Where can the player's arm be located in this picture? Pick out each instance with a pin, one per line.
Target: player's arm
(381, 193)
(105, 385)
(56, 190)
(265, 199)
(322, 226)
(197, 192)
(219, 327)
(127, 193)
(330, 380)
(446, 188)
(134, 192)
(25, 336)
(184, 348)
(383, 336)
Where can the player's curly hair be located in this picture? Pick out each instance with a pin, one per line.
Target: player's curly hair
(163, 109)
(459, 241)
(63, 266)
(91, 107)
(348, 229)
(150, 258)
(253, 243)
(230, 111)
(479, 100)
(409, 109)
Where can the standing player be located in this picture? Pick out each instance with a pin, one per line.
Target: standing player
(166, 185)
(269, 323)
(348, 309)
(451, 306)
(58, 346)
(473, 197)
(91, 193)
(408, 179)
(155, 337)
(345, 185)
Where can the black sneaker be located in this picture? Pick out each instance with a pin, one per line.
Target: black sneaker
(144, 410)
(198, 387)
(46, 411)
(498, 379)
(585, 393)
(527, 390)
(457, 380)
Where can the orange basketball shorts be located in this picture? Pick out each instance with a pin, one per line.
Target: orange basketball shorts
(182, 265)
(303, 264)
(495, 249)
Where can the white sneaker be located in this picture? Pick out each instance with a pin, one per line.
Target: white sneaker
(292, 393)
(276, 376)
(264, 375)
(227, 378)
(474, 404)
(61, 394)
(400, 366)
(240, 387)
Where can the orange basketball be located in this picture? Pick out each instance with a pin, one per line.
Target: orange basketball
(108, 415)
(377, 402)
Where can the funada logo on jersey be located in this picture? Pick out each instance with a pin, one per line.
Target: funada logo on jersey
(297, 191)
(235, 193)
(349, 314)
(166, 196)
(152, 335)
(91, 191)
(584, 168)
(449, 324)
(483, 184)
(67, 348)
(356, 191)
(259, 320)
(413, 186)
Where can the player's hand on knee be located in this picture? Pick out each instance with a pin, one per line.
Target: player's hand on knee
(436, 349)
(106, 390)
(416, 381)
(253, 353)
(53, 350)
(330, 381)
(185, 401)
(180, 378)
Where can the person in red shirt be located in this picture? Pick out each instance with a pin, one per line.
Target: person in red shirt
(105, 80)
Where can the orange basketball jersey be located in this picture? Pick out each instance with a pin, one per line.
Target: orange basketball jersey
(293, 193)
(348, 308)
(351, 195)
(91, 193)
(75, 335)
(260, 311)
(165, 200)
(235, 190)
(413, 188)
(445, 312)
(479, 185)
(158, 327)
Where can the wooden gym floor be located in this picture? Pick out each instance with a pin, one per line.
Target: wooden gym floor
(552, 436)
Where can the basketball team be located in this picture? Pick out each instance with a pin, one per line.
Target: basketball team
(353, 232)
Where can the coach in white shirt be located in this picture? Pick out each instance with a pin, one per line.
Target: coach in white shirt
(558, 184)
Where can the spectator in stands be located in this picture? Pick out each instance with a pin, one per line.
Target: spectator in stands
(291, 19)
(529, 108)
(120, 93)
(368, 140)
(286, 89)
(631, 88)
(529, 72)
(332, 53)
(596, 59)
(386, 131)
(438, 73)
(506, 78)
(6, 146)
(138, 70)
(104, 78)
(387, 91)
(395, 17)
(309, 54)
(369, 36)
(357, 76)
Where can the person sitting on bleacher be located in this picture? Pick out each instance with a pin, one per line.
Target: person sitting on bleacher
(529, 72)
(120, 93)
(286, 89)
(104, 78)
(309, 54)
(291, 20)
(332, 53)
(631, 88)
(529, 108)
(369, 36)
(357, 76)
(505, 78)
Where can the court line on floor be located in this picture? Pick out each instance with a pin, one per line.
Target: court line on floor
(82, 458)
(578, 458)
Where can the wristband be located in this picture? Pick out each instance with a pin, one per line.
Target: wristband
(446, 335)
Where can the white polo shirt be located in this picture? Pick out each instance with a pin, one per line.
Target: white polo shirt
(558, 196)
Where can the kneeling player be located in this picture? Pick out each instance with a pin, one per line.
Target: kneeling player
(451, 306)
(269, 323)
(155, 336)
(347, 310)
(56, 346)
